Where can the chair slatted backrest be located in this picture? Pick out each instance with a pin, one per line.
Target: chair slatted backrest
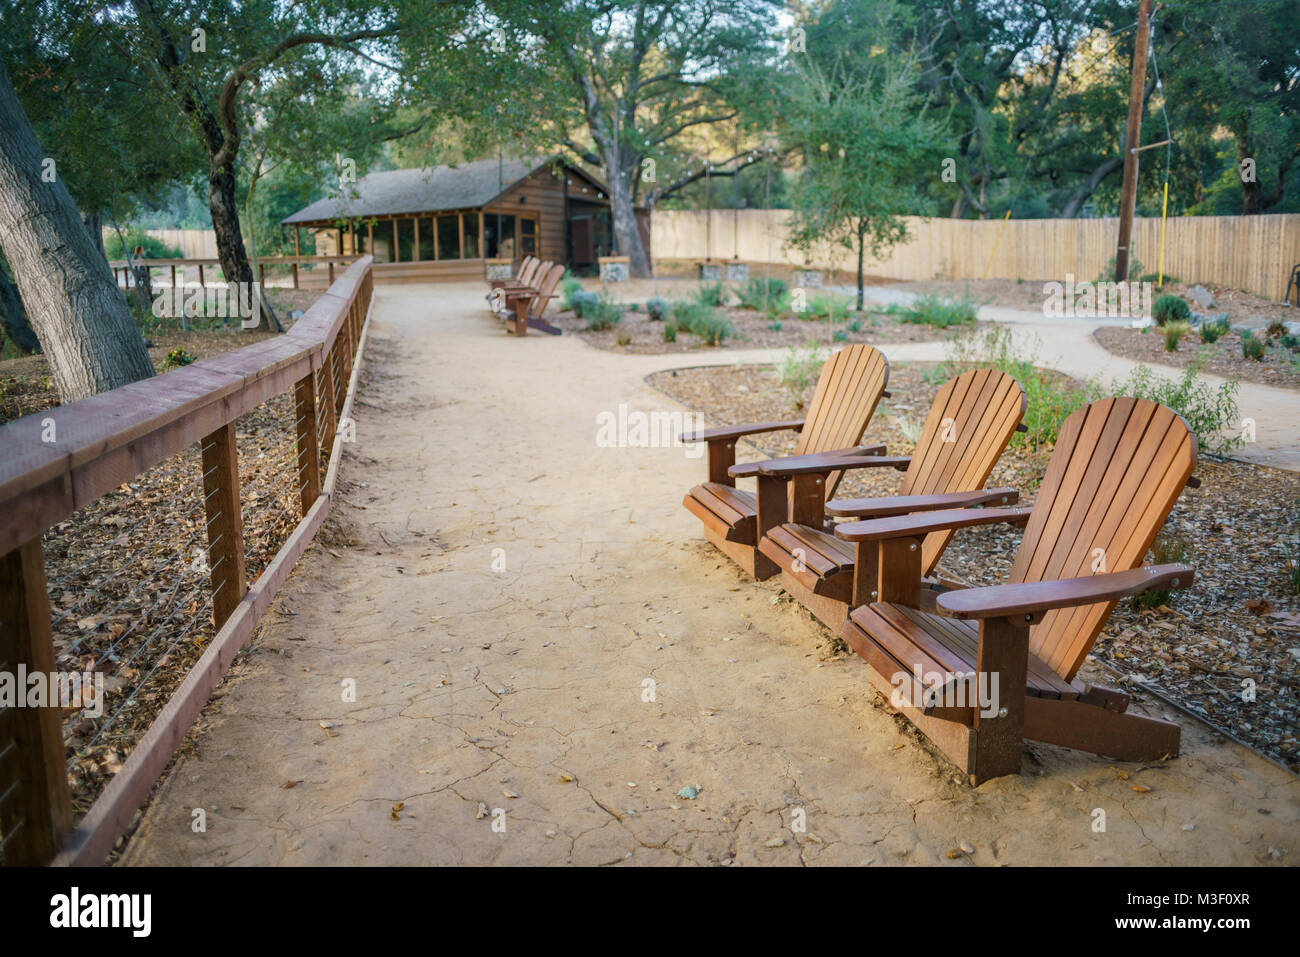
(970, 423)
(545, 288)
(528, 269)
(1117, 469)
(848, 390)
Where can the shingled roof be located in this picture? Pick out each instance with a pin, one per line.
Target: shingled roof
(428, 189)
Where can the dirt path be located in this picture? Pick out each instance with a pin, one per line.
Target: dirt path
(525, 689)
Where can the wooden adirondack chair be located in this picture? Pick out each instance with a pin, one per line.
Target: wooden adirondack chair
(1117, 469)
(851, 384)
(503, 297)
(529, 307)
(970, 423)
(527, 270)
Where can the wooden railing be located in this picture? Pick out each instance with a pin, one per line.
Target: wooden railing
(104, 441)
(208, 268)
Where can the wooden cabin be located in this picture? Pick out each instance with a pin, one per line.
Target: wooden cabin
(448, 222)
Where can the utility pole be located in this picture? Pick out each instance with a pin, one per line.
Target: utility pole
(1133, 135)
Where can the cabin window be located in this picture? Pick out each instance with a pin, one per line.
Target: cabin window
(528, 237)
(426, 238)
(471, 237)
(405, 240)
(499, 241)
(448, 237)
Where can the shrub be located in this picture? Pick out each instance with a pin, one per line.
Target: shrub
(1173, 332)
(1288, 341)
(1252, 346)
(1147, 276)
(940, 311)
(1051, 397)
(761, 293)
(670, 330)
(855, 326)
(1208, 410)
(625, 338)
(153, 248)
(821, 307)
(714, 330)
(798, 369)
(1276, 328)
(1170, 309)
(1134, 269)
(840, 335)
(569, 288)
(1212, 331)
(605, 313)
(775, 325)
(689, 314)
(656, 309)
(177, 358)
(711, 294)
(584, 303)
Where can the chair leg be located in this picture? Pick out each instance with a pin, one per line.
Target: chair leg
(1098, 730)
(1003, 657)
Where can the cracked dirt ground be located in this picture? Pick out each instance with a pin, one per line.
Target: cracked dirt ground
(522, 689)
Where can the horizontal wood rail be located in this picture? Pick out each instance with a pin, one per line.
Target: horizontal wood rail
(109, 439)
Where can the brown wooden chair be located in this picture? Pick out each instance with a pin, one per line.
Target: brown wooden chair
(522, 279)
(530, 306)
(1117, 469)
(850, 386)
(502, 297)
(970, 423)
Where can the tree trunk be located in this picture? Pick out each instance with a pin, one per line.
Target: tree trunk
(80, 316)
(95, 226)
(625, 226)
(1089, 186)
(861, 243)
(13, 317)
(230, 241)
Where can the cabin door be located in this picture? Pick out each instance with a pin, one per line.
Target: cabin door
(584, 252)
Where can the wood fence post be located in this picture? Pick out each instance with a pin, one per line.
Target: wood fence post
(295, 275)
(225, 522)
(35, 802)
(325, 400)
(304, 396)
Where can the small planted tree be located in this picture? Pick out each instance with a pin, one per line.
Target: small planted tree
(867, 141)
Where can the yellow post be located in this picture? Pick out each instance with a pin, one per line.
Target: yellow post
(1164, 211)
(997, 240)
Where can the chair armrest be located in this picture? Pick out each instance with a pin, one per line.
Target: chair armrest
(916, 526)
(736, 431)
(903, 504)
(748, 469)
(830, 462)
(1026, 598)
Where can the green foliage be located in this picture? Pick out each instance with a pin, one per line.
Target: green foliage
(1170, 309)
(1208, 411)
(939, 311)
(1212, 331)
(1173, 331)
(569, 287)
(711, 294)
(855, 326)
(656, 309)
(1134, 271)
(153, 248)
(670, 330)
(703, 321)
(799, 368)
(584, 304)
(840, 335)
(177, 358)
(1289, 341)
(826, 306)
(604, 313)
(625, 338)
(775, 325)
(772, 294)
(1051, 397)
(1252, 346)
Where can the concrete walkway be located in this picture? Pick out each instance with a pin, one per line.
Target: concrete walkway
(545, 654)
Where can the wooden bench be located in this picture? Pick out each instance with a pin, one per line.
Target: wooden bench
(969, 425)
(1117, 469)
(851, 384)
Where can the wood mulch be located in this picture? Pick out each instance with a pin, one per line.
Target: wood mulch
(1235, 630)
(1280, 367)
